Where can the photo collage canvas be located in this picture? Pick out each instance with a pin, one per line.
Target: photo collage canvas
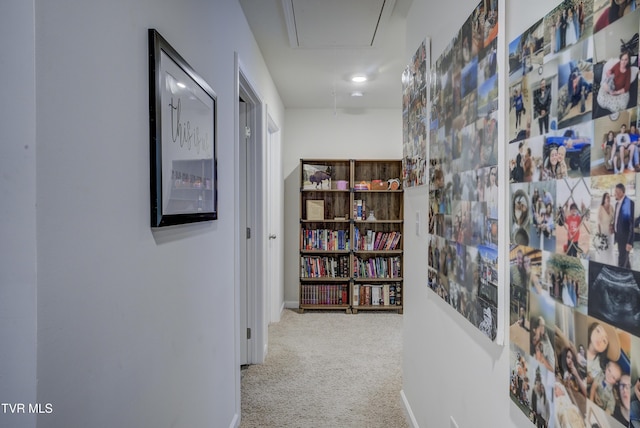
(414, 119)
(574, 230)
(463, 178)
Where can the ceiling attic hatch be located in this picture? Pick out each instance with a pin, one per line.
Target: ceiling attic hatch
(314, 24)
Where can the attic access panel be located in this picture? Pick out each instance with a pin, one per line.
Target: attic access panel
(336, 23)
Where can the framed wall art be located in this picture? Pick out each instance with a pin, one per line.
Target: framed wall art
(182, 125)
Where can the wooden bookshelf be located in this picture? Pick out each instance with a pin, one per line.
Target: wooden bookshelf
(351, 212)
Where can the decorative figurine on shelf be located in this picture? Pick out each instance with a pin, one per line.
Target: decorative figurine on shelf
(394, 184)
(371, 216)
(378, 185)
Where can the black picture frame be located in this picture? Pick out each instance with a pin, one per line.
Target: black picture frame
(183, 139)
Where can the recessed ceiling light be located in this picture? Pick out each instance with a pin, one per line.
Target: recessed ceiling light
(356, 94)
(359, 78)
(181, 85)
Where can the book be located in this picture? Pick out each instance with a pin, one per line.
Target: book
(376, 245)
(356, 294)
(369, 245)
(398, 295)
(376, 294)
(389, 241)
(367, 295)
(396, 241)
(359, 211)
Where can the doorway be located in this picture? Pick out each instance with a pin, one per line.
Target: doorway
(250, 232)
(275, 222)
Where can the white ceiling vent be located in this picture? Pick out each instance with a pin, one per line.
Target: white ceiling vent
(317, 24)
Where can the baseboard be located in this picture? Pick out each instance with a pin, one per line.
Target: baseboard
(235, 422)
(408, 412)
(291, 304)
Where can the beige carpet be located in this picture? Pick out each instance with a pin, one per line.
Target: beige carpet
(328, 369)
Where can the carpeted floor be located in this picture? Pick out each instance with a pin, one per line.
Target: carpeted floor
(328, 369)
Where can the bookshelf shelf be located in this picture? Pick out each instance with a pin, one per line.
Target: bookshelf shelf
(377, 252)
(378, 221)
(320, 252)
(338, 234)
(325, 221)
(303, 307)
(355, 309)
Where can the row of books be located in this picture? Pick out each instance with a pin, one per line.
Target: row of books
(377, 267)
(377, 295)
(319, 267)
(359, 209)
(324, 239)
(377, 241)
(324, 294)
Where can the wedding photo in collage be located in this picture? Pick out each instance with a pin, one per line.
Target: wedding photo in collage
(574, 170)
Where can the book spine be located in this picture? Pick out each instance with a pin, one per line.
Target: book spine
(396, 241)
(375, 295)
(389, 241)
(376, 245)
(385, 295)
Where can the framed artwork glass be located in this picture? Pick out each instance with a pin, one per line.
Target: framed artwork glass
(182, 125)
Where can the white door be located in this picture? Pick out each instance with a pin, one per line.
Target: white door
(275, 221)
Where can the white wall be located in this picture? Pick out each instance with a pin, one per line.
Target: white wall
(18, 274)
(449, 368)
(319, 134)
(134, 327)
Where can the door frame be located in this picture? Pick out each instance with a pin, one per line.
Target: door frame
(253, 307)
(274, 249)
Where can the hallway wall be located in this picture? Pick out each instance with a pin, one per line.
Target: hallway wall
(18, 274)
(449, 368)
(135, 327)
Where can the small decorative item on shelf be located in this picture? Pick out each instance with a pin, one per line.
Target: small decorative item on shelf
(315, 209)
(378, 185)
(363, 185)
(316, 177)
(371, 217)
(394, 183)
(342, 184)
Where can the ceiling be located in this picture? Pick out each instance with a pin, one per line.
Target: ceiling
(313, 47)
